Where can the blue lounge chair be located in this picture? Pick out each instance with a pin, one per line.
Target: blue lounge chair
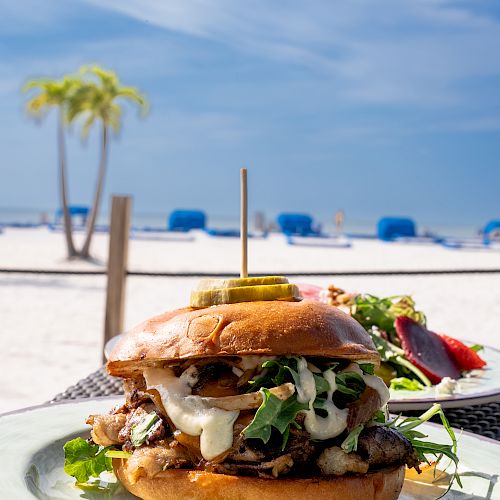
(225, 233)
(392, 228)
(489, 239)
(297, 225)
(491, 231)
(185, 220)
(78, 212)
(299, 230)
(74, 211)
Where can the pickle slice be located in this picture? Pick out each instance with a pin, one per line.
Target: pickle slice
(206, 298)
(212, 284)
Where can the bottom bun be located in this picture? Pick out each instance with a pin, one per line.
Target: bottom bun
(384, 484)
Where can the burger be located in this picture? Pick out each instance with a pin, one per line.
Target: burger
(263, 399)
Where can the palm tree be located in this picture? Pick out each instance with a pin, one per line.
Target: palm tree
(96, 101)
(55, 94)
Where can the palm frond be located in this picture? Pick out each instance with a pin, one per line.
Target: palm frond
(87, 125)
(136, 97)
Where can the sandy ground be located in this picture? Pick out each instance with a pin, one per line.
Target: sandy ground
(51, 326)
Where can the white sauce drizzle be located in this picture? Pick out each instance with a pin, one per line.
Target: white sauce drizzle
(372, 381)
(320, 427)
(191, 414)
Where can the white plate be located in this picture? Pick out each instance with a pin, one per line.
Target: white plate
(478, 387)
(110, 344)
(31, 455)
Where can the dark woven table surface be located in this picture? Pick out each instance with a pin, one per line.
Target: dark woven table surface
(480, 419)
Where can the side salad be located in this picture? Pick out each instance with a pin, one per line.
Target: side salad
(412, 356)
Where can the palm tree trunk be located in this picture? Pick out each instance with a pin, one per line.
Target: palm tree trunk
(85, 253)
(63, 189)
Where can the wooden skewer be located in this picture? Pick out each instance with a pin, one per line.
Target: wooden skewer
(243, 223)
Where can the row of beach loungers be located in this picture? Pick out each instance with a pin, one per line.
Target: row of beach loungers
(298, 229)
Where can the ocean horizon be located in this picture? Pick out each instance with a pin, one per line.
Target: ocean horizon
(16, 215)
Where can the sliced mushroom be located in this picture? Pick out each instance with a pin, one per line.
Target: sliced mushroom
(251, 400)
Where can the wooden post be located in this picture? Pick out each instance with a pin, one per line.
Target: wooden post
(117, 266)
(244, 223)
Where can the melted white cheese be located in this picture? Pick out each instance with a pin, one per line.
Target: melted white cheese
(320, 427)
(191, 414)
(372, 381)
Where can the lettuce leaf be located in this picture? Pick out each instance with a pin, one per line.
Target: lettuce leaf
(83, 460)
(405, 384)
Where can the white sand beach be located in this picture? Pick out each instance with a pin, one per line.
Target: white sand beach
(52, 325)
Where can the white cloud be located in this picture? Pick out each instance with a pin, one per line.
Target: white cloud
(386, 51)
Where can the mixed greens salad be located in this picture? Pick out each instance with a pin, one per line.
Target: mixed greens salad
(377, 316)
(412, 357)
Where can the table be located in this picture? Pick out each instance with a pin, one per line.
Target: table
(480, 419)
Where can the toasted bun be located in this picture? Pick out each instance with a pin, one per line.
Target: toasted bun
(385, 484)
(304, 328)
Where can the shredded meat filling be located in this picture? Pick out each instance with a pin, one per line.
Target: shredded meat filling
(150, 460)
(106, 428)
(224, 382)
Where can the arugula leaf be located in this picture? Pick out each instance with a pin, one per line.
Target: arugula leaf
(379, 417)
(322, 385)
(405, 384)
(83, 460)
(368, 368)
(278, 371)
(273, 412)
(141, 431)
(477, 347)
(350, 383)
(423, 448)
(350, 443)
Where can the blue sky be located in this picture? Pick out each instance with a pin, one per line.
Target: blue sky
(377, 107)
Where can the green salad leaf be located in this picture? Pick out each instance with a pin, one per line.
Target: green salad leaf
(394, 355)
(477, 347)
(83, 460)
(274, 412)
(405, 384)
(371, 311)
(350, 443)
(140, 431)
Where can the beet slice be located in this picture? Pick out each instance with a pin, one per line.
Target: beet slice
(426, 350)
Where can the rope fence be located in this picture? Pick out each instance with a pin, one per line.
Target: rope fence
(196, 274)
